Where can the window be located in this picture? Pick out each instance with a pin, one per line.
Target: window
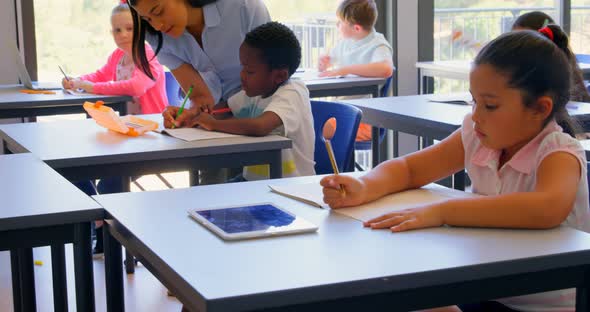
(462, 27)
(312, 21)
(74, 34)
(580, 30)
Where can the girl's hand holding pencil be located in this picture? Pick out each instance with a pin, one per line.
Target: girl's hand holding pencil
(354, 191)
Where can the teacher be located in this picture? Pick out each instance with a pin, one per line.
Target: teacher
(199, 41)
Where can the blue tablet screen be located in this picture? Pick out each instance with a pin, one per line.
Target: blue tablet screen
(247, 218)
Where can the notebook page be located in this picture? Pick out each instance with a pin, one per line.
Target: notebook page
(311, 193)
(195, 134)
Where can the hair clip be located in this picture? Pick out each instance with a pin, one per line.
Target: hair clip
(547, 32)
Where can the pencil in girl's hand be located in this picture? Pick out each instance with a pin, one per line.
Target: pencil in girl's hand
(62, 71)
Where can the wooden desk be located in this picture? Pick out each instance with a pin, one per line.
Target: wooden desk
(14, 104)
(41, 208)
(342, 267)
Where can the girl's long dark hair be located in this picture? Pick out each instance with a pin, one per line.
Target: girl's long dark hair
(140, 26)
(533, 20)
(536, 66)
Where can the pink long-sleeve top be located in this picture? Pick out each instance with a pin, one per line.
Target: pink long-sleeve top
(151, 94)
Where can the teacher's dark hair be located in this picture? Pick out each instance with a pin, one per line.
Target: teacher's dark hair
(140, 26)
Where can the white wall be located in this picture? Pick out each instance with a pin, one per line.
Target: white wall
(8, 72)
(407, 38)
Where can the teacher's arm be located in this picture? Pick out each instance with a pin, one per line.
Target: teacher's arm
(202, 99)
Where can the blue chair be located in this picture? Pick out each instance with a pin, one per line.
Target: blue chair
(365, 146)
(172, 90)
(583, 58)
(348, 119)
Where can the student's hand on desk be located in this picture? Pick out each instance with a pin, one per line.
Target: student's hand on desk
(185, 120)
(324, 63)
(409, 219)
(354, 191)
(333, 73)
(84, 85)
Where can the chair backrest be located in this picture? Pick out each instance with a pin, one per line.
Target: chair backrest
(172, 90)
(583, 58)
(348, 119)
(385, 89)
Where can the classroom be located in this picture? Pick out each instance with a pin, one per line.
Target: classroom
(295, 155)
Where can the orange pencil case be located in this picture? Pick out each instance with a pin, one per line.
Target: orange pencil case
(129, 125)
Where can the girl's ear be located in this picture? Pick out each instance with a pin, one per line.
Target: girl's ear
(357, 28)
(543, 107)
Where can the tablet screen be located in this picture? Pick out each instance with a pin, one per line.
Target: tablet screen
(259, 217)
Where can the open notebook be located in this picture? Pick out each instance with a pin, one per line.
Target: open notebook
(195, 134)
(311, 193)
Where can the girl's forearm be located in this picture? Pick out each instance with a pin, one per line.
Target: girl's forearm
(389, 177)
(532, 210)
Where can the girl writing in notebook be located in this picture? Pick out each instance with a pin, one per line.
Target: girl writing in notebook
(120, 75)
(517, 146)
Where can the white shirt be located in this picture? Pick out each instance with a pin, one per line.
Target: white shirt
(519, 174)
(371, 49)
(291, 103)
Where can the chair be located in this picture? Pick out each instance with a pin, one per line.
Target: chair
(348, 119)
(362, 148)
(172, 90)
(583, 58)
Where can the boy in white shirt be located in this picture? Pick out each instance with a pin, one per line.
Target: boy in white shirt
(270, 103)
(362, 51)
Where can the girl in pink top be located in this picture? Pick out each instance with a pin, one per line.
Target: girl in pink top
(120, 76)
(514, 148)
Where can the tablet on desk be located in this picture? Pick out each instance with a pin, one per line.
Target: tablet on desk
(251, 221)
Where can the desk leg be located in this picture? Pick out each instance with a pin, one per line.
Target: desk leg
(583, 298)
(375, 146)
(276, 165)
(58, 274)
(26, 272)
(129, 259)
(113, 258)
(16, 284)
(421, 82)
(83, 269)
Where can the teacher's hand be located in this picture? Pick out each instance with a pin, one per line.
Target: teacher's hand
(203, 103)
